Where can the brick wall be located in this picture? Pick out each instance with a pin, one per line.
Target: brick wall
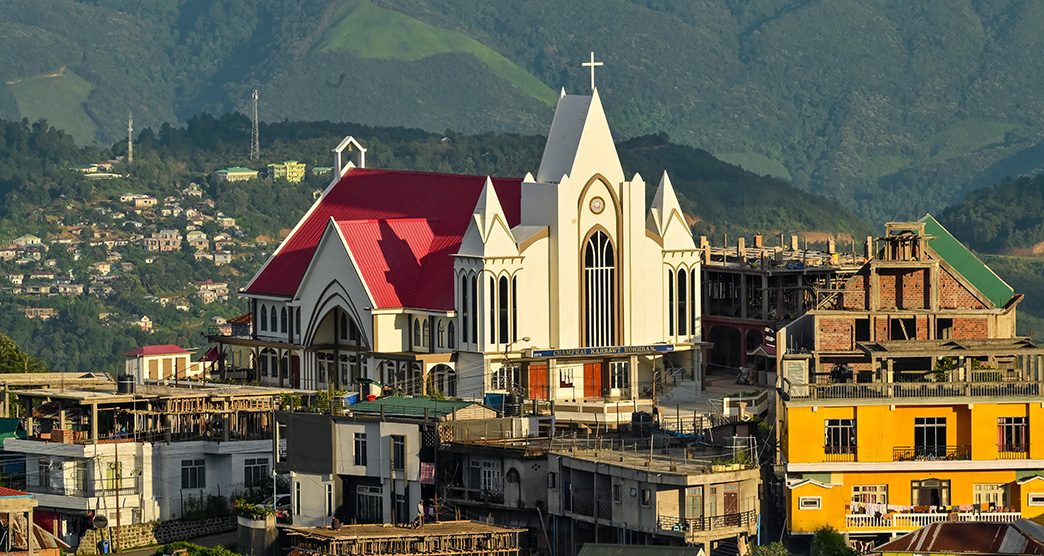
(904, 288)
(149, 534)
(881, 328)
(835, 334)
(953, 295)
(970, 328)
(855, 298)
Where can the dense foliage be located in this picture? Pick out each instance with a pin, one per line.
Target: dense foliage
(892, 108)
(1006, 217)
(14, 360)
(828, 542)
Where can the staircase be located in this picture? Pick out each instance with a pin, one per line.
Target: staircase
(725, 547)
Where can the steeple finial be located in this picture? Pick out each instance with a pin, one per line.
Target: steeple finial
(592, 64)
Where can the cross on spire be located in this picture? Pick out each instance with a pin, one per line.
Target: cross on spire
(592, 64)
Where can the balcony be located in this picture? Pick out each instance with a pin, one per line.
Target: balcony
(931, 453)
(706, 523)
(839, 453)
(1012, 451)
(464, 494)
(914, 390)
(913, 521)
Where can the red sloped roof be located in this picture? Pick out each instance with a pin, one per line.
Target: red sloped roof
(4, 491)
(159, 349)
(402, 227)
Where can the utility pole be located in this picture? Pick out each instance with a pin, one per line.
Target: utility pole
(255, 142)
(130, 138)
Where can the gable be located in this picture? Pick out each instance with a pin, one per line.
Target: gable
(444, 200)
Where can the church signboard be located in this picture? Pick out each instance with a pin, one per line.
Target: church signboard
(601, 351)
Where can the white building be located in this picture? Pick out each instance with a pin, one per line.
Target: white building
(564, 285)
(158, 454)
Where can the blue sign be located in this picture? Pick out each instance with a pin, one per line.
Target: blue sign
(601, 351)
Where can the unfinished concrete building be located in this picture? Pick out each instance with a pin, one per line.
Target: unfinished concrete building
(750, 291)
(144, 454)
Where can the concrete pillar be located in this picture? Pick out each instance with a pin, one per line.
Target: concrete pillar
(29, 416)
(831, 246)
(741, 248)
(868, 249)
(552, 379)
(632, 370)
(794, 242)
(94, 423)
(759, 241)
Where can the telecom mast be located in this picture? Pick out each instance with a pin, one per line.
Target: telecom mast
(255, 142)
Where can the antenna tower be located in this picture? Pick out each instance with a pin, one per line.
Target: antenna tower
(130, 137)
(255, 142)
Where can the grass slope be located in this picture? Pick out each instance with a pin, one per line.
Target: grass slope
(58, 98)
(369, 31)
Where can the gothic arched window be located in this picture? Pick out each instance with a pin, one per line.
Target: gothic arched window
(263, 320)
(599, 291)
(683, 292)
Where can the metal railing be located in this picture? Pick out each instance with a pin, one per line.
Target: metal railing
(887, 390)
(931, 453)
(460, 493)
(1012, 451)
(707, 522)
(839, 453)
(915, 520)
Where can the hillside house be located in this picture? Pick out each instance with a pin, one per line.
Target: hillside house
(236, 173)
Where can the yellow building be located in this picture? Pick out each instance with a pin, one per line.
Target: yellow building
(895, 425)
(236, 173)
(291, 171)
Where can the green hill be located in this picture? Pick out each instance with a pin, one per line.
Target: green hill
(891, 108)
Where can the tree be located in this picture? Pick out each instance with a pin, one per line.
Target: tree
(828, 542)
(773, 549)
(14, 360)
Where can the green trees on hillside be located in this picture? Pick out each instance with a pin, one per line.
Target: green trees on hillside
(1009, 215)
(14, 360)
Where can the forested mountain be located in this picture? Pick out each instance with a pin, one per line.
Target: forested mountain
(893, 108)
(1005, 218)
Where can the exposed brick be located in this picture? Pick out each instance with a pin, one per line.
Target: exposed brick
(953, 295)
(835, 334)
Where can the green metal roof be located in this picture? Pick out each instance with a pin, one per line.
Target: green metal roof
(966, 263)
(11, 427)
(410, 407)
(237, 169)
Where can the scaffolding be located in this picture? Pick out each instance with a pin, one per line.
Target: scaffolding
(445, 538)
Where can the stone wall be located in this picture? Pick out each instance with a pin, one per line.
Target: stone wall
(148, 534)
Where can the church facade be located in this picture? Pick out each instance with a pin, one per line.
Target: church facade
(565, 285)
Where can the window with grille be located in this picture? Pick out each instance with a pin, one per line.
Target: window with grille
(870, 494)
(599, 291)
(930, 436)
(994, 494)
(619, 374)
(1012, 434)
(840, 436)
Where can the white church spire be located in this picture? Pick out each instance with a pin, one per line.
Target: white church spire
(488, 232)
(580, 143)
(666, 218)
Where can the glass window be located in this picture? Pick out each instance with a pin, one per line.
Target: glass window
(425, 333)
(870, 494)
(193, 473)
(617, 492)
(599, 291)
(465, 308)
(840, 436)
(329, 500)
(646, 497)
(491, 299)
(619, 374)
(360, 448)
(930, 492)
(442, 333)
(670, 302)
(993, 494)
(451, 340)
(502, 308)
(683, 290)
(930, 437)
(255, 472)
(810, 502)
(1012, 434)
(263, 320)
(398, 452)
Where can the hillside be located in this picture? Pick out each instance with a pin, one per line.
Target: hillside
(1005, 218)
(891, 108)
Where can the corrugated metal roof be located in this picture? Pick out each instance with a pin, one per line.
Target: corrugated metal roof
(966, 263)
(411, 407)
(390, 256)
(445, 201)
(965, 538)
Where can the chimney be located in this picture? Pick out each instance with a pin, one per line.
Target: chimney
(741, 248)
(759, 241)
(794, 242)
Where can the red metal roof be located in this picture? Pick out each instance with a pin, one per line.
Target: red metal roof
(159, 349)
(403, 229)
(4, 491)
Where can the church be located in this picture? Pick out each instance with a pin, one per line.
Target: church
(563, 286)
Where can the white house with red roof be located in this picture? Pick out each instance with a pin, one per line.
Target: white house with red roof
(565, 285)
(160, 362)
